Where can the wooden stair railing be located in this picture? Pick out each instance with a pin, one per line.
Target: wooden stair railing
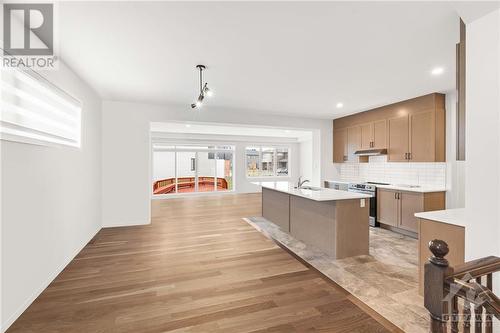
(457, 294)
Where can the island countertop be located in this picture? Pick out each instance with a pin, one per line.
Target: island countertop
(324, 194)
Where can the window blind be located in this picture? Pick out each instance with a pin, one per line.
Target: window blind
(33, 110)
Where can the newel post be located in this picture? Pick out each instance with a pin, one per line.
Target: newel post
(435, 272)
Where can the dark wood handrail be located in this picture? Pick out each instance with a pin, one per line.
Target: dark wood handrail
(445, 287)
(477, 268)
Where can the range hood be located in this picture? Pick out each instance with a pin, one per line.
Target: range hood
(371, 152)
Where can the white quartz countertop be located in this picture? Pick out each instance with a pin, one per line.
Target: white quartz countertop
(324, 194)
(419, 189)
(450, 216)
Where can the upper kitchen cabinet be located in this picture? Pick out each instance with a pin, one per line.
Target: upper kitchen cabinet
(340, 145)
(422, 137)
(411, 131)
(353, 143)
(397, 149)
(373, 135)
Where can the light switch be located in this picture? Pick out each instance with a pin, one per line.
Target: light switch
(362, 203)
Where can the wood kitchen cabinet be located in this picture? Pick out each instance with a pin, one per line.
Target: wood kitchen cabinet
(387, 207)
(422, 136)
(411, 130)
(373, 135)
(410, 203)
(413, 137)
(353, 143)
(380, 134)
(397, 149)
(396, 209)
(366, 136)
(340, 145)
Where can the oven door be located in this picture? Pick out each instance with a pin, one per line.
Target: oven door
(373, 212)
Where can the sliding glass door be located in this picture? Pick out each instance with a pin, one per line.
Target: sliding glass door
(186, 171)
(206, 172)
(192, 169)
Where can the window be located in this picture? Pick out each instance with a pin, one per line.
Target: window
(187, 169)
(35, 111)
(267, 161)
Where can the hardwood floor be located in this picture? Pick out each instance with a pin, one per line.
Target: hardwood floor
(197, 268)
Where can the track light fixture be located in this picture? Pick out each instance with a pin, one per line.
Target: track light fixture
(204, 90)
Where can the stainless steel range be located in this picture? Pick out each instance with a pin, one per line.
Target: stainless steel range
(369, 188)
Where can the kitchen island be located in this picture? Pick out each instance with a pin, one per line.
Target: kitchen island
(334, 221)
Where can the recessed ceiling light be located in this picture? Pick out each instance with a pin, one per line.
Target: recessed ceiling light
(287, 131)
(188, 125)
(340, 105)
(437, 71)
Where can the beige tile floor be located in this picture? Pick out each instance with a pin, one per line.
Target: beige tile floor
(386, 280)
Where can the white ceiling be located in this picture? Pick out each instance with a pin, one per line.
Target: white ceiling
(279, 57)
(230, 129)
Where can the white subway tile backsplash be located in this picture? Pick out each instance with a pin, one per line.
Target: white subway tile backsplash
(379, 170)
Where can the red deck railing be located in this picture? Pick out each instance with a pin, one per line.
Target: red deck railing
(164, 186)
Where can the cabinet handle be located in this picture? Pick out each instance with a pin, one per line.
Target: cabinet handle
(409, 156)
(406, 156)
(395, 196)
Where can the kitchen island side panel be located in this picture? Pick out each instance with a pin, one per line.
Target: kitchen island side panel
(352, 229)
(276, 208)
(313, 222)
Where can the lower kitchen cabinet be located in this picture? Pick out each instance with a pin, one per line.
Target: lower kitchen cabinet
(387, 208)
(396, 209)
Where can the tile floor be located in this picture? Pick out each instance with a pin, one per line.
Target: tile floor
(386, 280)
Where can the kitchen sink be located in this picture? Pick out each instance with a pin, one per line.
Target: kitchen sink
(312, 188)
(408, 186)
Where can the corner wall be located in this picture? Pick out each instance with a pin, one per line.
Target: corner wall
(482, 199)
(126, 151)
(51, 203)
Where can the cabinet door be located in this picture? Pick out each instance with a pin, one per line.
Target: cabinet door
(422, 137)
(380, 134)
(366, 136)
(339, 145)
(387, 207)
(353, 143)
(398, 139)
(410, 203)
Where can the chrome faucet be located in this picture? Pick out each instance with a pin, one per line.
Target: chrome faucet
(301, 182)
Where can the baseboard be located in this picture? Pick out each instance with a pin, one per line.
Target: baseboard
(399, 230)
(129, 224)
(5, 325)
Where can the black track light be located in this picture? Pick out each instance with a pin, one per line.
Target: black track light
(204, 90)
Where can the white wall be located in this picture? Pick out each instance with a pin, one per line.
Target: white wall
(455, 170)
(126, 151)
(305, 165)
(482, 198)
(51, 200)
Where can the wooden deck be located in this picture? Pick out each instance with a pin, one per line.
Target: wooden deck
(197, 268)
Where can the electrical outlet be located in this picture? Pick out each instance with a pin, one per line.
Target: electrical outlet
(362, 203)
